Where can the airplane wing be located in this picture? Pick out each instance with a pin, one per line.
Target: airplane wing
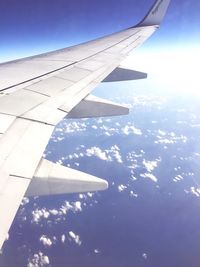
(39, 91)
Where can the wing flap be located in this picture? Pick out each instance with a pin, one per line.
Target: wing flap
(121, 74)
(93, 106)
(53, 179)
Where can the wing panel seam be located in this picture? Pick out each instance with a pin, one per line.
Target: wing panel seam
(72, 64)
(20, 177)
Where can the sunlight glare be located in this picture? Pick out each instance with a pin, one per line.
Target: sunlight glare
(173, 69)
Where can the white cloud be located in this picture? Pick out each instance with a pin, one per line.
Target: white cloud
(160, 132)
(73, 206)
(150, 165)
(96, 151)
(82, 196)
(89, 194)
(96, 251)
(165, 141)
(134, 159)
(38, 214)
(132, 194)
(144, 255)
(121, 187)
(67, 127)
(114, 152)
(94, 127)
(63, 238)
(75, 238)
(100, 121)
(25, 201)
(108, 134)
(195, 191)
(131, 129)
(169, 138)
(111, 154)
(148, 101)
(178, 178)
(46, 241)
(150, 176)
(54, 212)
(74, 126)
(38, 260)
(77, 206)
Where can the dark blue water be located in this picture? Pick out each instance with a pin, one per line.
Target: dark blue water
(149, 216)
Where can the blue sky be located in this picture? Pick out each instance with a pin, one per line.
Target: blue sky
(34, 26)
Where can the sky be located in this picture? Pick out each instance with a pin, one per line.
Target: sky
(34, 26)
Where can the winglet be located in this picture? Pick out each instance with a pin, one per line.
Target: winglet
(155, 14)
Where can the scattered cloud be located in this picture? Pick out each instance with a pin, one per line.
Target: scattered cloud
(46, 241)
(178, 178)
(134, 158)
(195, 191)
(162, 133)
(121, 187)
(73, 206)
(131, 129)
(25, 201)
(114, 153)
(150, 165)
(63, 238)
(89, 152)
(75, 238)
(97, 152)
(74, 126)
(94, 127)
(38, 260)
(132, 194)
(38, 214)
(111, 154)
(67, 127)
(150, 176)
(167, 138)
(41, 214)
(144, 256)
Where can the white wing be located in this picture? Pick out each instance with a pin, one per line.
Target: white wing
(39, 91)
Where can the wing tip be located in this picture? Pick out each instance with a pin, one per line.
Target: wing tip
(104, 185)
(155, 14)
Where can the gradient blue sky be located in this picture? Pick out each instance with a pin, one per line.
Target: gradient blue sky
(34, 26)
